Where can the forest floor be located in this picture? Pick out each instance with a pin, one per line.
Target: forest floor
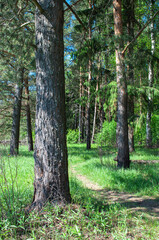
(107, 203)
(145, 204)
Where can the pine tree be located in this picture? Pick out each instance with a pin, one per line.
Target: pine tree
(51, 167)
(122, 125)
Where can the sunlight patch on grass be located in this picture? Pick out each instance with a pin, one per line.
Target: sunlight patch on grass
(86, 217)
(141, 179)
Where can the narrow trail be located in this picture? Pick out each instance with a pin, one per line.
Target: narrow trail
(146, 204)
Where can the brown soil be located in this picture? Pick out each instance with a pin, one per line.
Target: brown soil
(146, 204)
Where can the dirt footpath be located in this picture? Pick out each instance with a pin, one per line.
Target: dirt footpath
(148, 205)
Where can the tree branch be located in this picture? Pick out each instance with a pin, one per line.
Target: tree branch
(25, 24)
(6, 52)
(139, 33)
(75, 15)
(38, 6)
(72, 5)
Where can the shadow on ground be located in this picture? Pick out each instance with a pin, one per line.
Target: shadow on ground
(134, 203)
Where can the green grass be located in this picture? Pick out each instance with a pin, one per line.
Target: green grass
(141, 179)
(86, 217)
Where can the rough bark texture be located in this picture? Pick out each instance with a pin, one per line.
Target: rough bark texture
(80, 107)
(131, 138)
(151, 80)
(88, 114)
(122, 125)
(96, 103)
(28, 115)
(14, 142)
(95, 113)
(51, 165)
(129, 7)
(81, 120)
(88, 130)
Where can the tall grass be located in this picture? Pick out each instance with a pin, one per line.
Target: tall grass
(86, 217)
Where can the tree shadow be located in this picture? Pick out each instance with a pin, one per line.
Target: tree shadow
(134, 203)
(147, 151)
(139, 178)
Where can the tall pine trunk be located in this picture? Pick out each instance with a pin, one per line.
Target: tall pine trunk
(122, 125)
(14, 142)
(28, 115)
(51, 165)
(88, 114)
(129, 5)
(95, 111)
(80, 107)
(151, 80)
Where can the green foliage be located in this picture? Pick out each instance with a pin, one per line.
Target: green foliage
(107, 135)
(72, 136)
(140, 130)
(155, 129)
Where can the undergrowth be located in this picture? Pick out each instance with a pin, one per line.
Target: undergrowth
(86, 217)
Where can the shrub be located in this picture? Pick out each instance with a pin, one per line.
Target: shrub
(140, 130)
(155, 129)
(107, 135)
(72, 136)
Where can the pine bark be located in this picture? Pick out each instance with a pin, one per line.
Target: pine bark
(81, 120)
(14, 142)
(95, 112)
(28, 116)
(122, 125)
(150, 80)
(51, 164)
(80, 107)
(101, 112)
(88, 122)
(129, 5)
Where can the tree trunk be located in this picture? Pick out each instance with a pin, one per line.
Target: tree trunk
(101, 110)
(122, 125)
(80, 107)
(95, 112)
(51, 165)
(140, 95)
(29, 127)
(14, 142)
(151, 80)
(83, 117)
(88, 130)
(100, 105)
(96, 102)
(129, 5)
(131, 138)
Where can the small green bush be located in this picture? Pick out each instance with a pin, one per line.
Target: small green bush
(72, 136)
(140, 130)
(107, 135)
(155, 129)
